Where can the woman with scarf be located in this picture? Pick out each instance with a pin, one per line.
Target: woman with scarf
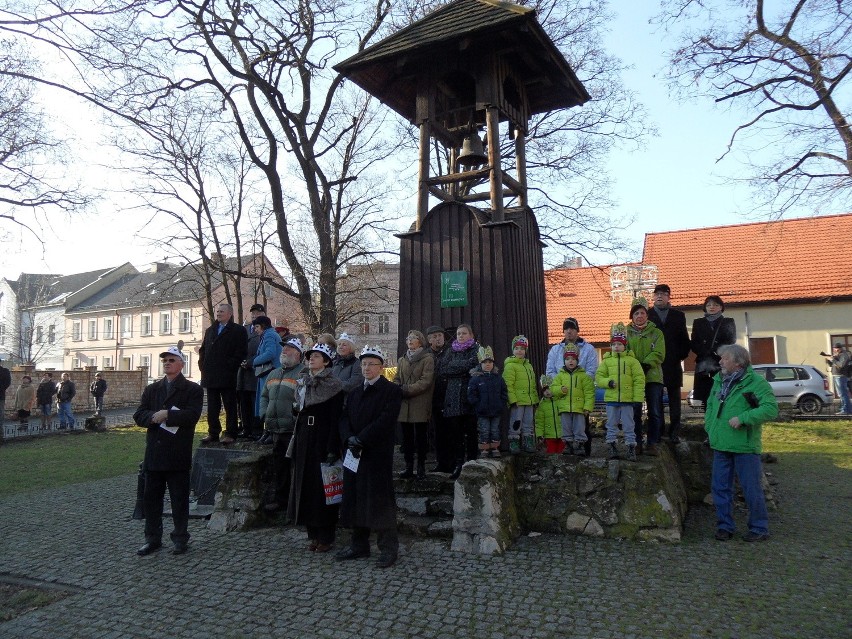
(459, 417)
(708, 334)
(739, 402)
(316, 440)
(415, 373)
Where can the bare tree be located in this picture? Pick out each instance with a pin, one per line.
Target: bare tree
(786, 65)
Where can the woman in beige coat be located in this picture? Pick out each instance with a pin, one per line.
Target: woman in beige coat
(416, 375)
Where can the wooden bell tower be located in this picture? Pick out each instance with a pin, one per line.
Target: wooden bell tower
(467, 75)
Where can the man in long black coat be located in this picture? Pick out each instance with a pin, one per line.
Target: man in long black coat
(170, 408)
(367, 428)
(219, 358)
(673, 324)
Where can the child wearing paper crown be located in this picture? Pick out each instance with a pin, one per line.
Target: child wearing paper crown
(487, 393)
(523, 396)
(621, 375)
(574, 392)
(547, 424)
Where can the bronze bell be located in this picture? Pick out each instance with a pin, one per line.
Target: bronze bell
(472, 154)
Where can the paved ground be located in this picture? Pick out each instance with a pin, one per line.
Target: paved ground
(266, 584)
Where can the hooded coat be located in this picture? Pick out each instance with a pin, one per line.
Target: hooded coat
(454, 372)
(520, 380)
(649, 348)
(368, 495)
(746, 438)
(625, 370)
(581, 391)
(415, 375)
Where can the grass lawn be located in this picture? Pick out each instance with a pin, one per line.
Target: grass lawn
(825, 439)
(72, 458)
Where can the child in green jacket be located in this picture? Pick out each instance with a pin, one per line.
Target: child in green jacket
(574, 392)
(520, 379)
(621, 375)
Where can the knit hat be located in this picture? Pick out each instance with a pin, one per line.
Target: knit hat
(485, 353)
(639, 302)
(571, 351)
(570, 322)
(618, 333)
(520, 340)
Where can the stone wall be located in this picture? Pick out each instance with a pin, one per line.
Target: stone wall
(124, 390)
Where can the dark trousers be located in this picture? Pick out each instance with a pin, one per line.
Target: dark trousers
(674, 410)
(323, 534)
(387, 540)
(465, 437)
(445, 453)
(152, 502)
(281, 470)
(216, 399)
(247, 416)
(414, 441)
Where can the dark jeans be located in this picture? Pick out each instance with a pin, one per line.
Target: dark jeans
(281, 471)
(445, 453)
(465, 437)
(247, 416)
(674, 410)
(216, 399)
(152, 501)
(654, 402)
(386, 540)
(414, 440)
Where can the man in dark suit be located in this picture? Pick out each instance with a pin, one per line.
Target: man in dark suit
(673, 324)
(367, 427)
(170, 408)
(219, 358)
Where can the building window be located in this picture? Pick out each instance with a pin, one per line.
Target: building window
(107, 328)
(384, 324)
(107, 362)
(185, 321)
(127, 326)
(126, 364)
(165, 322)
(365, 325)
(93, 329)
(39, 335)
(2, 334)
(145, 325)
(77, 332)
(145, 360)
(75, 363)
(51, 334)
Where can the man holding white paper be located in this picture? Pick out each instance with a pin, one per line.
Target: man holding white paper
(170, 408)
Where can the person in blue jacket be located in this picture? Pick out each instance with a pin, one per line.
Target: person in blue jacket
(487, 393)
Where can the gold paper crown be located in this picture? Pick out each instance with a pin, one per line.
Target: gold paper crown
(639, 301)
(485, 352)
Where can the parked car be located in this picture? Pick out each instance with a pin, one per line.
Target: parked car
(803, 386)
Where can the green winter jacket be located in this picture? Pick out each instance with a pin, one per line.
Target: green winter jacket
(649, 347)
(746, 438)
(547, 421)
(277, 396)
(625, 371)
(520, 381)
(581, 391)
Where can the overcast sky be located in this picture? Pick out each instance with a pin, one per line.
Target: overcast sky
(672, 183)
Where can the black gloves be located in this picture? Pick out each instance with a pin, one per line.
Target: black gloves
(611, 383)
(354, 444)
(332, 457)
(646, 368)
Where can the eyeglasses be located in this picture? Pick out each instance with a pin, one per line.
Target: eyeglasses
(169, 360)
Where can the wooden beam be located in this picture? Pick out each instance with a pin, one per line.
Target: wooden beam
(423, 178)
(473, 174)
(492, 124)
(441, 194)
(521, 161)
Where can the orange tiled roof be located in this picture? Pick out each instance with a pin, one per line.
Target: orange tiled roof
(805, 259)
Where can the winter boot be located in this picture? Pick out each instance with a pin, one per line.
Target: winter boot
(613, 450)
(421, 469)
(515, 446)
(408, 473)
(674, 437)
(631, 452)
(581, 450)
(569, 448)
(528, 444)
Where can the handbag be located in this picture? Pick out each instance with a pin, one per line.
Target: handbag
(332, 482)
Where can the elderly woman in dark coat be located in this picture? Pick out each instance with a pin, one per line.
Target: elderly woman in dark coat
(708, 334)
(367, 427)
(319, 400)
(459, 416)
(415, 375)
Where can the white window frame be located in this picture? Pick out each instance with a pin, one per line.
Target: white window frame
(77, 332)
(51, 334)
(185, 321)
(76, 363)
(39, 338)
(384, 324)
(364, 325)
(92, 333)
(108, 328)
(106, 361)
(146, 331)
(2, 334)
(165, 322)
(127, 325)
(145, 360)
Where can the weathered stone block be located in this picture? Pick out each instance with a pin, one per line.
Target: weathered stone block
(239, 496)
(485, 520)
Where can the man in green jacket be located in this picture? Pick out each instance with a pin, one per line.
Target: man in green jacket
(739, 403)
(276, 408)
